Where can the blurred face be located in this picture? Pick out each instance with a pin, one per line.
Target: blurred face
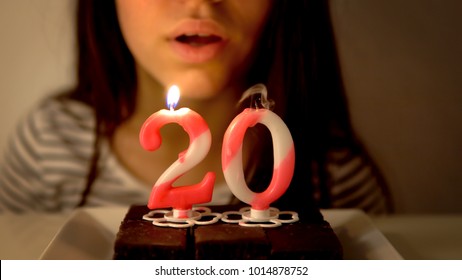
(203, 46)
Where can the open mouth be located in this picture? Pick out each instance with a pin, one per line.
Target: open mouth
(198, 40)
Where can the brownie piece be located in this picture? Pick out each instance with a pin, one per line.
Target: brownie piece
(304, 241)
(140, 239)
(230, 241)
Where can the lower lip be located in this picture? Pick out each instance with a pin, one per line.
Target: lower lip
(195, 54)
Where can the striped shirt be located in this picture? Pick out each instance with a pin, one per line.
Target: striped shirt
(354, 183)
(47, 161)
(46, 164)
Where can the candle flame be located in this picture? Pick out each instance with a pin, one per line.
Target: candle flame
(173, 96)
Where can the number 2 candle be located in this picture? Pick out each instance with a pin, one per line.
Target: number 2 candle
(283, 149)
(163, 193)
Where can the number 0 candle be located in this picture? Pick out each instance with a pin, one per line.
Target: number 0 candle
(163, 193)
(283, 149)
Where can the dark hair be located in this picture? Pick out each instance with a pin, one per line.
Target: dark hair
(106, 73)
(305, 79)
(297, 60)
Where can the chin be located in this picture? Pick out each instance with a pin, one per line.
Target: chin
(198, 93)
(199, 87)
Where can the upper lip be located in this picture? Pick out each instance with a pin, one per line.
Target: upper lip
(198, 27)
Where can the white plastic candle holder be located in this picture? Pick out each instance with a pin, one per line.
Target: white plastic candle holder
(177, 218)
(259, 218)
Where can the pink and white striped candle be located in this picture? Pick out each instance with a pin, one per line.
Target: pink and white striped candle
(284, 157)
(163, 193)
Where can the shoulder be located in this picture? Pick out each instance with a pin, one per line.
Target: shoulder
(62, 111)
(48, 152)
(56, 127)
(356, 181)
(59, 118)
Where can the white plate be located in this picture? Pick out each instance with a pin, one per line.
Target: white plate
(360, 239)
(90, 234)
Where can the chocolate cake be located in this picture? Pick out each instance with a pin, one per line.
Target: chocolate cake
(309, 238)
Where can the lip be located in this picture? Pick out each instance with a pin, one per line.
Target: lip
(198, 53)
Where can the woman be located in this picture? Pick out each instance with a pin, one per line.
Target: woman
(82, 148)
